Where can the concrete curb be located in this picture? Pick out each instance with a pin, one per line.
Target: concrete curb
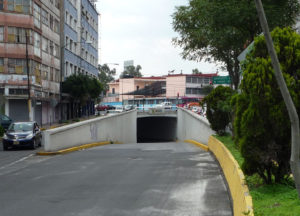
(242, 200)
(76, 148)
(204, 147)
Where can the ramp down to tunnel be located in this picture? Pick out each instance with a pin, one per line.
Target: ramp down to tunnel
(156, 129)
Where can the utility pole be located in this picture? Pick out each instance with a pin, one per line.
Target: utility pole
(28, 80)
(295, 143)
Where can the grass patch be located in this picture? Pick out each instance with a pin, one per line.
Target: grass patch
(275, 199)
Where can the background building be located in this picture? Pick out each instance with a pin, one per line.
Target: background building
(29, 33)
(79, 42)
(177, 88)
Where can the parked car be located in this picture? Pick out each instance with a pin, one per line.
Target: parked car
(102, 108)
(22, 134)
(5, 121)
(110, 107)
(129, 107)
(164, 105)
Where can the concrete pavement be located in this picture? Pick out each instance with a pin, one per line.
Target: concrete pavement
(165, 179)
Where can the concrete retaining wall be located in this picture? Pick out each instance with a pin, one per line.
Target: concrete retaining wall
(242, 201)
(117, 128)
(192, 126)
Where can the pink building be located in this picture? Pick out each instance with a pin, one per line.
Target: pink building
(176, 88)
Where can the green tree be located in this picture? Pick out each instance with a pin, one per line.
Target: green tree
(262, 126)
(196, 71)
(218, 108)
(82, 87)
(219, 30)
(106, 75)
(132, 71)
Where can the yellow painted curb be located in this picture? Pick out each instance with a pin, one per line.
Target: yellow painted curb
(241, 198)
(76, 148)
(204, 147)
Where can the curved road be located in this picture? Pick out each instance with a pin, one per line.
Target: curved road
(157, 179)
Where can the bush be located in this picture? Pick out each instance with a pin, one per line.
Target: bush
(218, 108)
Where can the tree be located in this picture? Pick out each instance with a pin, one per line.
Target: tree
(196, 71)
(82, 87)
(262, 127)
(132, 71)
(106, 75)
(218, 108)
(219, 30)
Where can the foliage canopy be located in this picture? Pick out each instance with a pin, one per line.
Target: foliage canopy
(106, 75)
(132, 71)
(262, 126)
(218, 108)
(219, 30)
(82, 87)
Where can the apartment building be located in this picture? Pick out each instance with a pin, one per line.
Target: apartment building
(79, 41)
(29, 47)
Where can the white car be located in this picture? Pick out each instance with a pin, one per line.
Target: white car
(164, 105)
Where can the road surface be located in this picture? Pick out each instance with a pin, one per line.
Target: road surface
(157, 179)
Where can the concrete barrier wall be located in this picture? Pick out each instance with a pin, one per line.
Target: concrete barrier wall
(192, 126)
(117, 128)
(242, 201)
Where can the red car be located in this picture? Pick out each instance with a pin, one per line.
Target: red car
(102, 108)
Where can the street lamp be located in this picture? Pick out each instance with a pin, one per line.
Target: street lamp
(62, 66)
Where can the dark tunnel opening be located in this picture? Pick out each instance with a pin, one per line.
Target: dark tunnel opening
(156, 129)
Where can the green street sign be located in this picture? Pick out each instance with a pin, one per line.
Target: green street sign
(221, 80)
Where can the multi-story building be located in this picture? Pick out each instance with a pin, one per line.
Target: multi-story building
(178, 88)
(29, 47)
(79, 40)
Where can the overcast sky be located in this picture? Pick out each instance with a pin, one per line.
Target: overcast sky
(141, 30)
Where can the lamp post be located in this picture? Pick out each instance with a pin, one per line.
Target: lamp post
(28, 78)
(62, 66)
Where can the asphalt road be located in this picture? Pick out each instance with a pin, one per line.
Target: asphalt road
(157, 179)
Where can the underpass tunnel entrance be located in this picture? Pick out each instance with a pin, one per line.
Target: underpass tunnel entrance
(156, 129)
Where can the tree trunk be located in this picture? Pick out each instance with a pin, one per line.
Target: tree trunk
(295, 148)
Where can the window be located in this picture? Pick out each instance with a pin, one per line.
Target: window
(51, 48)
(45, 44)
(17, 66)
(66, 69)
(37, 72)
(51, 22)
(16, 35)
(56, 26)
(113, 90)
(21, 6)
(71, 21)
(51, 78)
(45, 19)
(45, 72)
(1, 4)
(71, 45)
(57, 75)
(1, 65)
(189, 79)
(1, 33)
(37, 15)
(37, 44)
(71, 69)
(56, 50)
(67, 17)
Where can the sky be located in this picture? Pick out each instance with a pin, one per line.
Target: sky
(141, 30)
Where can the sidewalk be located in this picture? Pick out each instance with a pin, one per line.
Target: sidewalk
(70, 121)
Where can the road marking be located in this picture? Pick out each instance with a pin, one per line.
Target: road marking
(17, 161)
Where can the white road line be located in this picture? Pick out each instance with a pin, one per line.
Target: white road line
(15, 162)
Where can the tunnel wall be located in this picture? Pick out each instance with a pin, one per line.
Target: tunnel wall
(156, 129)
(116, 128)
(192, 126)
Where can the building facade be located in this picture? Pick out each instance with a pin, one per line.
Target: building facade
(79, 41)
(177, 88)
(29, 47)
